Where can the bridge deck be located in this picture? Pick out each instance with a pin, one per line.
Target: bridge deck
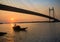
(14, 9)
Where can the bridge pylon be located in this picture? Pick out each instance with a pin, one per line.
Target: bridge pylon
(51, 13)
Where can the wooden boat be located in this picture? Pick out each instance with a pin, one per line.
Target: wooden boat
(18, 28)
(2, 33)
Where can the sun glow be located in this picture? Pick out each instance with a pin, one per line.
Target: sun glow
(12, 19)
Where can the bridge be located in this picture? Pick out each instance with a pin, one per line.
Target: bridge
(19, 10)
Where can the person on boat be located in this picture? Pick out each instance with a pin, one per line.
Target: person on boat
(17, 26)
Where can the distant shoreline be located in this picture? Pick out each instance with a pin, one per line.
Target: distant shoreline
(31, 22)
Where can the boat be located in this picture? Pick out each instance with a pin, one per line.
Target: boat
(1, 23)
(2, 33)
(18, 28)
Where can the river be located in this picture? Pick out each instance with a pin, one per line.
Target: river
(36, 32)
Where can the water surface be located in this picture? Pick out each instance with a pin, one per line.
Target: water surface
(36, 32)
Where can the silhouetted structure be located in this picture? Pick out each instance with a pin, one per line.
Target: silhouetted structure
(2, 33)
(14, 9)
(18, 28)
(51, 13)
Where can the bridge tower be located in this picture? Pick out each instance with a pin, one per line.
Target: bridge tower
(51, 13)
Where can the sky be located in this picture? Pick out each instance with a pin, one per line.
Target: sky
(41, 6)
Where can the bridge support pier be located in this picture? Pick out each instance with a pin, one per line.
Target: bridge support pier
(52, 14)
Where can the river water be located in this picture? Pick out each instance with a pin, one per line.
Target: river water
(36, 32)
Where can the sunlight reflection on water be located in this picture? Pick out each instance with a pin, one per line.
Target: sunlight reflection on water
(36, 32)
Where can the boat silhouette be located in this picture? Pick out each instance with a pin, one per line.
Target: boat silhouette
(2, 33)
(18, 28)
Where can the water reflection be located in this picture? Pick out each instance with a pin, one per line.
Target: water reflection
(36, 32)
(6, 39)
(20, 36)
(12, 24)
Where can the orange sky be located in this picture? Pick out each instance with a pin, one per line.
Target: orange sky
(6, 17)
(40, 6)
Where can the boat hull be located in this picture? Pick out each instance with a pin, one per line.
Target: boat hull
(19, 29)
(2, 33)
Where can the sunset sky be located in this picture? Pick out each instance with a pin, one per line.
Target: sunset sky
(40, 6)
